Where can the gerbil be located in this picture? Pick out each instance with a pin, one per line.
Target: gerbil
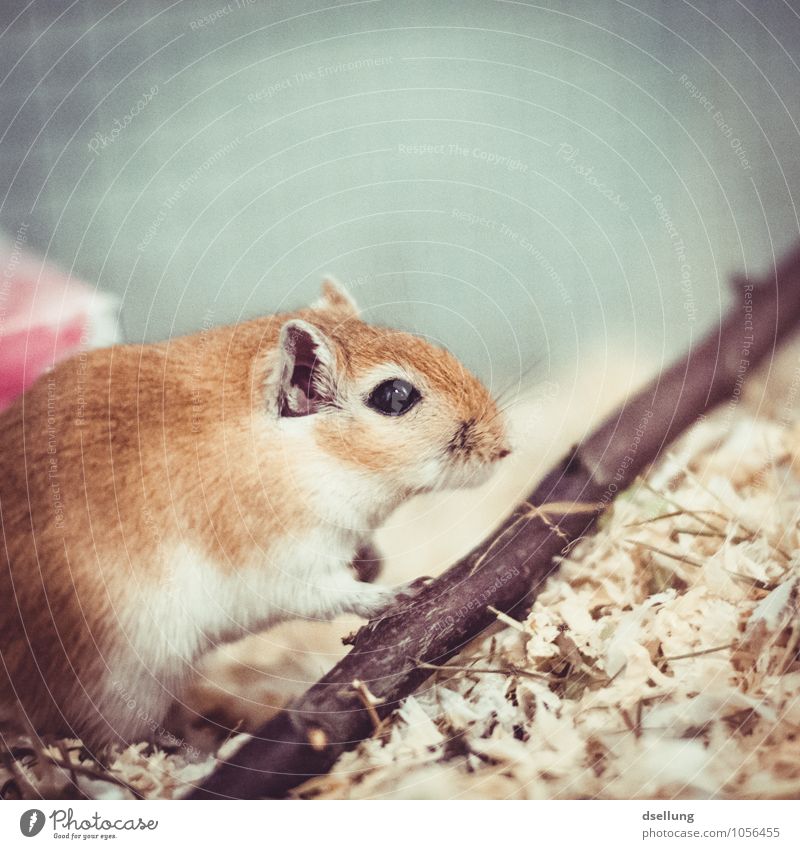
(158, 499)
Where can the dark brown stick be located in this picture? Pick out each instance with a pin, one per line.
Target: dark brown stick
(506, 571)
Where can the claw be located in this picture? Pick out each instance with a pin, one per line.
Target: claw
(383, 601)
(409, 591)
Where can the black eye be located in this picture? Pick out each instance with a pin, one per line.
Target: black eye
(393, 397)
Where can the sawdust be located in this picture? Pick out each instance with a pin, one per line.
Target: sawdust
(662, 661)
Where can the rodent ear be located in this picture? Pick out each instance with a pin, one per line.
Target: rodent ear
(307, 370)
(335, 298)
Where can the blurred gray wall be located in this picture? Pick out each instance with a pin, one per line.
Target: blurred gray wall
(521, 181)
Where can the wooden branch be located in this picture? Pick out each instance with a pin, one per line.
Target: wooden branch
(393, 656)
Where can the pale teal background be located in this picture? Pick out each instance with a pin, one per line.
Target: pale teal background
(303, 170)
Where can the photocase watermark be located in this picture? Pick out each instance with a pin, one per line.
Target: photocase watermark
(522, 241)
(321, 72)
(485, 599)
(81, 378)
(743, 354)
(165, 737)
(684, 267)
(568, 154)
(99, 141)
(52, 455)
(357, 282)
(153, 526)
(626, 462)
(64, 824)
(32, 822)
(9, 272)
(198, 394)
(454, 149)
(219, 13)
(183, 187)
(719, 119)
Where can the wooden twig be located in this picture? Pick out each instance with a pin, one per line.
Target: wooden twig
(699, 653)
(96, 774)
(393, 656)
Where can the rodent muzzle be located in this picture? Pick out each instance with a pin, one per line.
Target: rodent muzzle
(473, 440)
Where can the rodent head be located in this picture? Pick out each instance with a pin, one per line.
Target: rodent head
(384, 401)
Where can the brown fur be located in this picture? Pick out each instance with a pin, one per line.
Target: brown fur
(119, 456)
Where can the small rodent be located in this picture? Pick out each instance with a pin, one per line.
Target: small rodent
(159, 499)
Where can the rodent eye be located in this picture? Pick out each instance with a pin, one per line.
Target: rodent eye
(393, 397)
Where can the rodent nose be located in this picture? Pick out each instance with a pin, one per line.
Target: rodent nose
(503, 452)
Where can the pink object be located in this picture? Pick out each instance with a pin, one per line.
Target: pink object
(45, 316)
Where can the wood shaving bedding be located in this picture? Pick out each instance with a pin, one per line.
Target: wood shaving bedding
(660, 662)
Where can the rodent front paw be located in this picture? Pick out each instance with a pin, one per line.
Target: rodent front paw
(367, 564)
(386, 600)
